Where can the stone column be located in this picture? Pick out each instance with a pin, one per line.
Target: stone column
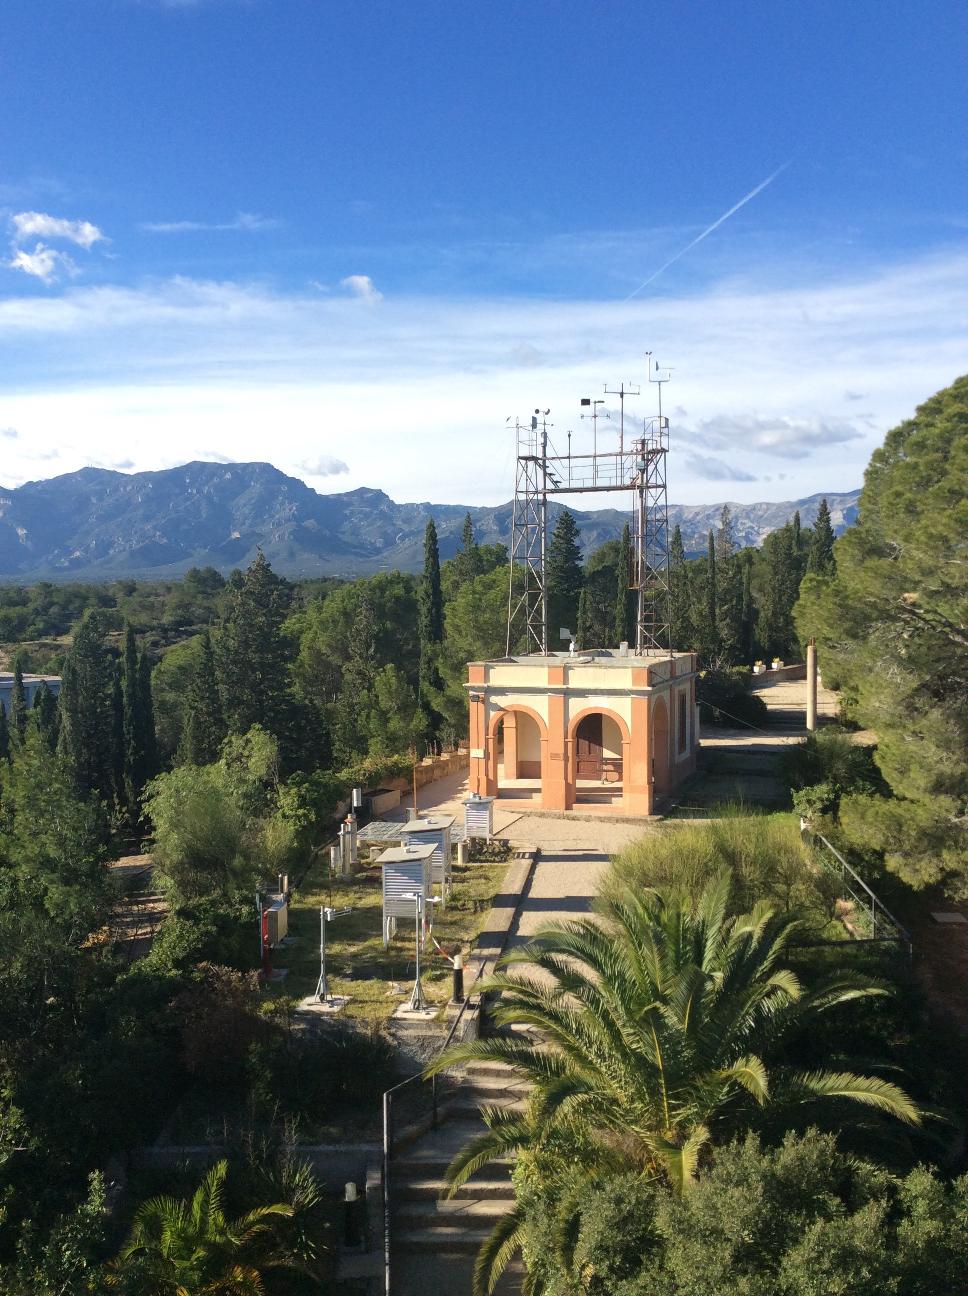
(812, 685)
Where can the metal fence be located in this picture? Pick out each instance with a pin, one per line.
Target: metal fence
(871, 920)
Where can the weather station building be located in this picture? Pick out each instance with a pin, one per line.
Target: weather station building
(31, 684)
(606, 730)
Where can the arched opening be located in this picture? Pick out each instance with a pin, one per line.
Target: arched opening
(599, 743)
(518, 753)
(660, 747)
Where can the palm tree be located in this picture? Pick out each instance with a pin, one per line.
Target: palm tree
(656, 1022)
(189, 1248)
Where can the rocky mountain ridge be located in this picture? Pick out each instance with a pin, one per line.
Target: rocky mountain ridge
(97, 524)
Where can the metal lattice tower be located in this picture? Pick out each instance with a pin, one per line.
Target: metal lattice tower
(638, 467)
(529, 536)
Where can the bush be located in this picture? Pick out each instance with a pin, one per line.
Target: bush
(764, 855)
(482, 851)
(210, 930)
(317, 1075)
(725, 698)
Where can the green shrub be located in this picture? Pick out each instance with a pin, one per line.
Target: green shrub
(317, 1075)
(725, 698)
(763, 853)
(482, 851)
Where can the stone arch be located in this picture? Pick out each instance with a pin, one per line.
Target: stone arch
(661, 760)
(519, 756)
(617, 768)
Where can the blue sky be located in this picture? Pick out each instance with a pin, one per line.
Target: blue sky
(352, 238)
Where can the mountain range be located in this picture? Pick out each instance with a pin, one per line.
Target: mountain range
(96, 524)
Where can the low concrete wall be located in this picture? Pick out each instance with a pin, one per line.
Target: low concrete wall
(432, 768)
(771, 677)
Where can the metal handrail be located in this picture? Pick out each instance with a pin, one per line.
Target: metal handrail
(388, 1119)
(877, 906)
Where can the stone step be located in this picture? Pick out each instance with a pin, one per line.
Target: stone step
(453, 1240)
(431, 1188)
(472, 1211)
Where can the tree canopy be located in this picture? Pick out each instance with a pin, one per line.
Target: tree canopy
(890, 623)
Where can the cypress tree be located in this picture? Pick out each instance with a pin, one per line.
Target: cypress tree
(253, 657)
(430, 622)
(351, 719)
(18, 703)
(683, 635)
(797, 536)
(118, 753)
(624, 627)
(820, 558)
(469, 558)
(204, 723)
(87, 734)
(46, 715)
(4, 735)
(563, 578)
(583, 633)
(748, 616)
(131, 723)
(782, 587)
(709, 634)
(146, 707)
(729, 592)
(430, 600)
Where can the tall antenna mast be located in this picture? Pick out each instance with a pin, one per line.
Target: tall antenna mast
(639, 467)
(621, 392)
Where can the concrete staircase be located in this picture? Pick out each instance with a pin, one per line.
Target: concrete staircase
(435, 1239)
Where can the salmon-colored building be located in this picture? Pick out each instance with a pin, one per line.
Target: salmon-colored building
(611, 730)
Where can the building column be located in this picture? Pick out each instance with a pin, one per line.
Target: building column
(554, 764)
(510, 746)
(637, 795)
(812, 685)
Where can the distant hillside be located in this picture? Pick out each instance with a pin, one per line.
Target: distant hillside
(97, 525)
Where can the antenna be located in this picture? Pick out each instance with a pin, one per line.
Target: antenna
(639, 467)
(621, 392)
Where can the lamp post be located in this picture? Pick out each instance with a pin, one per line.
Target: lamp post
(326, 915)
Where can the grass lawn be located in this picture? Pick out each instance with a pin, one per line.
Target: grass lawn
(356, 962)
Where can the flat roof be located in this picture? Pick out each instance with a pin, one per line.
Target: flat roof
(403, 854)
(592, 657)
(430, 823)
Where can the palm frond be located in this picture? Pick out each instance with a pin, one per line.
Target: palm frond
(496, 1252)
(869, 1090)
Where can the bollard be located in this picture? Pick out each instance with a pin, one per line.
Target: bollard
(458, 995)
(352, 1233)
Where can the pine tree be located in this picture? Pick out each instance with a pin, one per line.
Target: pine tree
(253, 657)
(583, 632)
(46, 715)
(87, 736)
(820, 559)
(683, 635)
(624, 627)
(4, 735)
(204, 723)
(563, 578)
(18, 704)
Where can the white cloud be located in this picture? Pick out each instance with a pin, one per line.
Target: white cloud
(323, 466)
(31, 224)
(789, 438)
(709, 469)
(247, 221)
(43, 263)
(361, 286)
(10, 433)
(423, 386)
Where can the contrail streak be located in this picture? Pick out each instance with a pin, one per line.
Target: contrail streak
(706, 232)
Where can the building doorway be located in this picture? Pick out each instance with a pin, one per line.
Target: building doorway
(598, 765)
